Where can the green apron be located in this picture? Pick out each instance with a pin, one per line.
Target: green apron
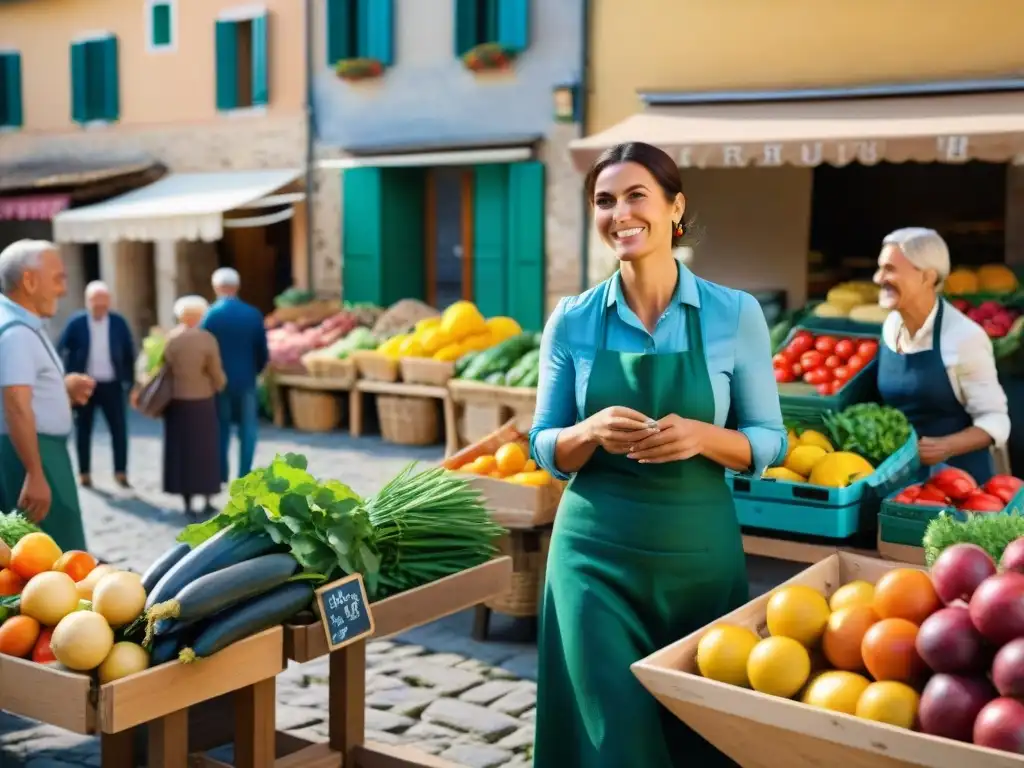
(641, 556)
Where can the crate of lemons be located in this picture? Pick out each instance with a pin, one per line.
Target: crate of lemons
(812, 459)
(460, 329)
(509, 462)
(855, 300)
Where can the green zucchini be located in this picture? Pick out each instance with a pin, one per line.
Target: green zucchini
(249, 618)
(463, 362)
(531, 379)
(162, 565)
(523, 366)
(218, 590)
(224, 548)
(496, 379)
(500, 357)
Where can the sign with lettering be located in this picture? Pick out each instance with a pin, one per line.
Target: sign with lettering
(345, 611)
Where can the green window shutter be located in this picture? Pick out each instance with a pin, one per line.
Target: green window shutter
(227, 65)
(490, 238)
(10, 88)
(260, 66)
(79, 84)
(467, 14)
(107, 76)
(403, 203)
(340, 15)
(526, 244)
(160, 24)
(362, 235)
(380, 30)
(514, 24)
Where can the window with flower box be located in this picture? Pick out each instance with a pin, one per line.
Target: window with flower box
(360, 35)
(501, 25)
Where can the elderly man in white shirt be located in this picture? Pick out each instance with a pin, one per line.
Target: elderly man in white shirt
(935, 364)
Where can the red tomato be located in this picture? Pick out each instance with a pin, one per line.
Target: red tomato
(1004, 486)
(818, 376)
(836, 386)
(930, 493)
(42, 653)
(825, 389)
(845, 348)
(800, 343)
(781, 361)
(825, 344)
(833, 361)
(811, 359)
(954, 483)
(783, 375)
(867, 349)
(908, 494)
(982, 502)
(842, 373)
(797, 370)
(855, 363)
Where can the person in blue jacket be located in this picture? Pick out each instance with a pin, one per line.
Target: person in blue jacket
(98, 342)
(242, 338)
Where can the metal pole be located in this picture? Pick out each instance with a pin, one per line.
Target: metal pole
(584, 90)
(310, 146)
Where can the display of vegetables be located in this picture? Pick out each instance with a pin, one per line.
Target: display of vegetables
(290, 342)
(872, 430)
(824, 361)
(990, 278)
(995, 318)
(993, 533)
(514, 362)
(510, 462)
(459, 330)
(856, 300)
(811, 459)
(953, 488)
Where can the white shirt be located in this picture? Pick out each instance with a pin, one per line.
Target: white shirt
(966, 352)
(101, 365)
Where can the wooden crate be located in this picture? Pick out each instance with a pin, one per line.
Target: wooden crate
(740, 722)
(510, 504)
(375, 366)
(393, 615)
(479, 409)
(423, 370)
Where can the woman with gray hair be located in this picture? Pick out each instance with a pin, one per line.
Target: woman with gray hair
(191, 432)
(935, 364)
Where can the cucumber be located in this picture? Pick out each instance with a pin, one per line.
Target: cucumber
(224, 548)
(531, 379)
(500, 357)
(221, 589)
(251, 617)
(162, 565)
(523, 366)
(463, 362)
(497, 379)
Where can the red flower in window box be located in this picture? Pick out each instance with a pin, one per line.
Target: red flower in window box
(358, 69)
(488, 57)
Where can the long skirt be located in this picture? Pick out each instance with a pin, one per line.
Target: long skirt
(191, 448)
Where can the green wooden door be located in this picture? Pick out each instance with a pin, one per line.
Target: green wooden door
(490, 238)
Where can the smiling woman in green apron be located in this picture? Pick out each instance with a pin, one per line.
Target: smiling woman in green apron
(638, 376)
(936, 364)
(36, 476)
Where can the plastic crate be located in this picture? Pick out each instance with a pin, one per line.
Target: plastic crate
(842, 326)
(925, 513)
(800, 402)
(834, 513)
(903, 530)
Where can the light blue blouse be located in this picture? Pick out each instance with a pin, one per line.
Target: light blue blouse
(736, 344)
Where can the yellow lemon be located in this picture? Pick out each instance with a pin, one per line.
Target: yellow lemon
(839, 469)
(853, 594)
(811, 437)
(798, 612)
(410, 347)
(427, 323)
(889, 702)
(502, 328)
(461, 320)
(836, 691)
(781, 473)
(723, 651)
(778, 666)
(433, 339)
(804, 458)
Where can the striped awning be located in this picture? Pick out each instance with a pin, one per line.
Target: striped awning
(32, 207)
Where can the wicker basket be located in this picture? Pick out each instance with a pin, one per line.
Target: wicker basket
(375, 366)
(341, 372)
(529, 552)
(424, 370)
(408, 420)
(314, 411)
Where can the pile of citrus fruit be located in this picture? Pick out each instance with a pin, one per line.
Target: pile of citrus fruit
(853, 653)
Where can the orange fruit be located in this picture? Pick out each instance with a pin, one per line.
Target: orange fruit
(76, 564)
(511, 459)
(906, 593)
(889, 702)
(844, 634)
(10, 583)
(889, 653)
(34, 554)
(854, 593)
(18, 636)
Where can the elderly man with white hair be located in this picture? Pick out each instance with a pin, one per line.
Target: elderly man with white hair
(98, 341)
(935, 364)
(36, 476)
(238, 328)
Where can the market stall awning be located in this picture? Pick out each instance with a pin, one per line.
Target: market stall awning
(944, 129)
(32, 207)
(505, 149)
(182, 206)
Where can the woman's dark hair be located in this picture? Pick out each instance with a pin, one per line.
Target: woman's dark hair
(658, 163)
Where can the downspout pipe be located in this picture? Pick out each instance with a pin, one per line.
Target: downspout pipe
(310, 146)
(584, 102)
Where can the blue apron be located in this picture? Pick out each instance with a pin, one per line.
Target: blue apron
(918, 384)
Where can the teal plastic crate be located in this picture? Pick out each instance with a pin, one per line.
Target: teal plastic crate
(834, 513)
(921, 512)
(800, 402)
(902, 530)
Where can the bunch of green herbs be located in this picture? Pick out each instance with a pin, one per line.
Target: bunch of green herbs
(874, 431)
(993, 533)
(14, 526)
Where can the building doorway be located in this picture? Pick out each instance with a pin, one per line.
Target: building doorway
(449, 250)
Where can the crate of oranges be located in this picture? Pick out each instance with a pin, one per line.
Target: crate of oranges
(518, 493)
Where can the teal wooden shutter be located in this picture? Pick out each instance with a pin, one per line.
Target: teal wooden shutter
(109, 107)
(402, 202)
(10, 87)
(260, 75)
(340, 15)
(79, 84)
(490, 238)
(526, 244)
(160, 24)
(227, 65)
(466, 19)
(514, 24)
(362, 235)
(380, 30)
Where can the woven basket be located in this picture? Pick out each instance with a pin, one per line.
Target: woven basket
(341, 372)
(375, 366)
(528, 551)
(408, 420)
(424, 370)
(314, 411)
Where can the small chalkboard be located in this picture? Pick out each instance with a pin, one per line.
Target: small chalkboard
(345, 611)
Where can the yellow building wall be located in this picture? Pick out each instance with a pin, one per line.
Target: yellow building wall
(157, 88)
(699, 45)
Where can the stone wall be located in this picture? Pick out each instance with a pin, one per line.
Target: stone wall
(565, 220)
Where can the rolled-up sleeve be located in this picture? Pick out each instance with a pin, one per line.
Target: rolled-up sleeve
(755, 394)
(556, 393)
(17, 365)
(983, 395)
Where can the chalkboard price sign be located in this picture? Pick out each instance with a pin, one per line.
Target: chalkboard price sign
(345, 611)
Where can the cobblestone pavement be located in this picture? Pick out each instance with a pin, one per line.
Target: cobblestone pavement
(434, 687)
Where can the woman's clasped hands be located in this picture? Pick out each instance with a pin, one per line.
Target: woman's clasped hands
(623, 431)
